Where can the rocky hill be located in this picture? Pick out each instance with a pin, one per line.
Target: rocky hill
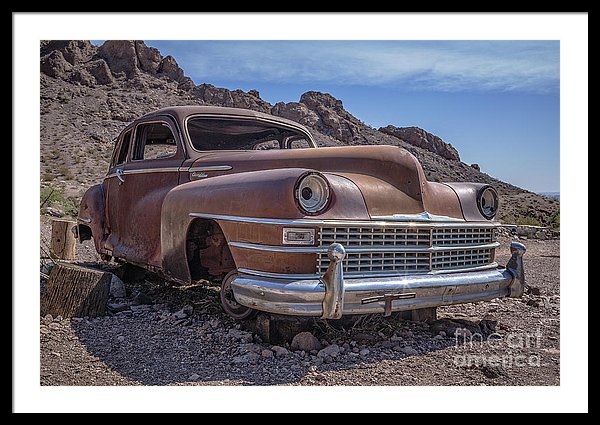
(89, 93)
(418, 137)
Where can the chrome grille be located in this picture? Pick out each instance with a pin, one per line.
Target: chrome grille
(370, 236)
(405, 249)
(459, 259)
(462, 236)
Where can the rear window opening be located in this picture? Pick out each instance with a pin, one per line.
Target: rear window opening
(121, 149)
(226, 134)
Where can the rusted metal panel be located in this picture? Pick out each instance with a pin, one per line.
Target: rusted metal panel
(390, 178)
(136, 212)
(274, 262)
(440, 200)
(92, 214)
(467, 193)
(134, 194)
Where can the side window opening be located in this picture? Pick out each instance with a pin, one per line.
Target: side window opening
(120, 155)
(154, 141)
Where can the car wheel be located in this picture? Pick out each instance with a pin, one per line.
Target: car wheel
(229, 303)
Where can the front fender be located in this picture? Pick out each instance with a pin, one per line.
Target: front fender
(467, 194)
(257, 194)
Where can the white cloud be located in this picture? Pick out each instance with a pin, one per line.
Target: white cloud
(527, 66)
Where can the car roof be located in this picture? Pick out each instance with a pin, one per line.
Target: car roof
(181, 112)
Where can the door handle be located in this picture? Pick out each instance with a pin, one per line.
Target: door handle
(119, 174)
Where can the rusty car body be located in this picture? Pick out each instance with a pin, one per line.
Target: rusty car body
(195, 192)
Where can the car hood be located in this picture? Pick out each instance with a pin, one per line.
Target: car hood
(390, 178)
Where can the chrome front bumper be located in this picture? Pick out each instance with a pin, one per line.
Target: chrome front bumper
(332, 296)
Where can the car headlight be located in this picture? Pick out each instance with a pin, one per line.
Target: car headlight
(312, 193)
(487, 201)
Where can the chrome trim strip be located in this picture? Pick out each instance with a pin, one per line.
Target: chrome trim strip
(344, 223)
(284, 276)
(280, 248)
(424, 216)
(364, 249)
(207, 168)
(152, 170)
(145, 171)
(271, 275)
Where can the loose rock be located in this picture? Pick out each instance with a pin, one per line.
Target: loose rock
(332, 350)
(305, 341)
(280, 351)
(493, 371)
(117, 287)
(240, 335)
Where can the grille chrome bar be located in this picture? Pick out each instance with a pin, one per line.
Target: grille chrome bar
(351, 249)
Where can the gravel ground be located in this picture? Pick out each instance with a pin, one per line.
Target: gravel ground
(179, 336)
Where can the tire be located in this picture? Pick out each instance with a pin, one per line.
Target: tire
(233, 309)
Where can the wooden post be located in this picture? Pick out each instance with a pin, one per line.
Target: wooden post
(74, 291)
(424, 315)
(63, 244)
(276, 328)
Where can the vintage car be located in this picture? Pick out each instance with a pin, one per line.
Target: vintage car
(199, 192)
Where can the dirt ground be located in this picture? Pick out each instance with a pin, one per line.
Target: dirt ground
(150, 342)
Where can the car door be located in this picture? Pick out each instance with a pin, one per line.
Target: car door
(112, 192)
(138, 188)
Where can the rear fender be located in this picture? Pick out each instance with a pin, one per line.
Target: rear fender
(91, 218)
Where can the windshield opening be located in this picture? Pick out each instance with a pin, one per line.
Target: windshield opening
(208, 134)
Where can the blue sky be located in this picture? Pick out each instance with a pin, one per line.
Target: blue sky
(497, 102)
